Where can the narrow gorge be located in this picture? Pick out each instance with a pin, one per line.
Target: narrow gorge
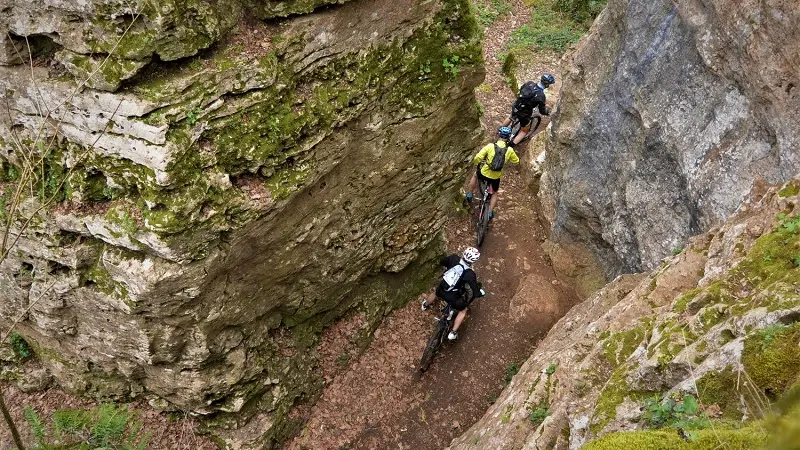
(223, 213)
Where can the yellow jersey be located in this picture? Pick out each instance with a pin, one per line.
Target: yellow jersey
(487, 154)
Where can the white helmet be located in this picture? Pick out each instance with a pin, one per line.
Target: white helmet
(471, 254)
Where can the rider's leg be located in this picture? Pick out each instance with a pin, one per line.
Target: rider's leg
(506, 122)
(493, 202)
(472, 183)
(429, 299)
(522, 133)
(459, 318)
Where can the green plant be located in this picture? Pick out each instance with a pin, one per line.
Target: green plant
(451, 65)
(110, 193)
(790, 224)
(478, 106)
(546, 31)
(486, 14)
(581, 11)
(105, 427)
(192, 115)
(424, 69)
(20, 346)
(683, 414)
(511, 370)
(551, 369)
(677, 251)
(539, 413)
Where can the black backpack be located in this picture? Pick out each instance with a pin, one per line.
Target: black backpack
(527, 95)
(499, 158)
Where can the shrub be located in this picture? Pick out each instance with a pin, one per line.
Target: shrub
(20, 346)
(105, 427)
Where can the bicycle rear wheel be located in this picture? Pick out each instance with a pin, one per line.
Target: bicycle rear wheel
(535, 122)
(482, 224)
(433, 346)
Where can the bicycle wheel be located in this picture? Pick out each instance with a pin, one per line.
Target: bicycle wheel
(433, 346)
(535, 122)
(482, 224)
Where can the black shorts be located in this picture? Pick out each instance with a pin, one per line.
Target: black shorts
(524, 117)
(456, 301)
(494, 183)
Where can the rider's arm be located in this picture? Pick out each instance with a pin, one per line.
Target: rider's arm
(472, 279)
(542, 99)
(481, 155)
(511, 156)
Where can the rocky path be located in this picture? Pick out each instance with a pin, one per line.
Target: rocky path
(373, 403)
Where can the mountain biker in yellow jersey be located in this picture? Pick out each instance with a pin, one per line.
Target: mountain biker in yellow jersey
(452, 286)
(531, 96)
(490, 161)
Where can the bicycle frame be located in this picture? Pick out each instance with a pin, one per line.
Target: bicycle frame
(482, 222)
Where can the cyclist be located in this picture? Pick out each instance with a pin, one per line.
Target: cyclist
(531, 96)
(452, 286)
(490, 161)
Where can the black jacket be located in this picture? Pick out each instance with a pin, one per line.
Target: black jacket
(525, 107)
(468, 278)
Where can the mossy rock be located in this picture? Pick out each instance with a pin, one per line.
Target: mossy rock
(730, 439)
(771, 358)
(103, 73)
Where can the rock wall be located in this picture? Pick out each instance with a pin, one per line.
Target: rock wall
(232, 186)
(720, 321)
(670, 113)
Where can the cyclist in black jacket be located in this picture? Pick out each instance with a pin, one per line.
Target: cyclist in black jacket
(531, 96)
(452, 286)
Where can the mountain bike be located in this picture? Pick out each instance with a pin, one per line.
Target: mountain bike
(536, 120)
(482, 212)
(444, 325)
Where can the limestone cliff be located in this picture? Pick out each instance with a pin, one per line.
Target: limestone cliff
(672, 110)
(231, 186)
(720, 321)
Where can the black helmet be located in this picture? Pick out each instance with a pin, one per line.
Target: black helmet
(548, 79)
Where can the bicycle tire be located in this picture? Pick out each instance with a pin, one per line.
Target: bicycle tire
(483, 223)
(535, 122)
(432, 347)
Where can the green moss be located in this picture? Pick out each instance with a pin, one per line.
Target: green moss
(619, 346)
(710, 317)
(775, 365)
(790, 190)
(509, 68)
(770, 266)
(680, 304)
(720, 388)
(613, 394)
(731, 439)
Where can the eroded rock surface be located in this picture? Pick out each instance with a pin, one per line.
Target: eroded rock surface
(221, 208)
(720, 321)
(671, 112)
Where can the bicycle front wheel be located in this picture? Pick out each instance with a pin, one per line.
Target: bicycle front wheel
(433, 346)
(482, 224)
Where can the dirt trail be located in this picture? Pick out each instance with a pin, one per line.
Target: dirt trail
(373, 403)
